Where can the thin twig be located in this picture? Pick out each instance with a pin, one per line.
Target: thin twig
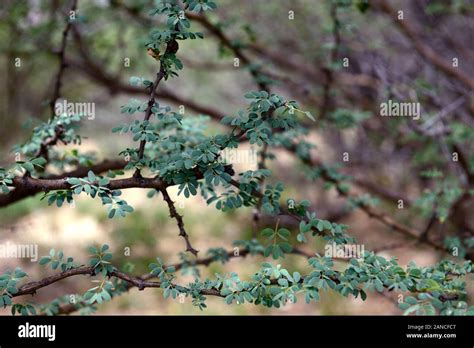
(58, 131)
(174, 214)
(62, 62)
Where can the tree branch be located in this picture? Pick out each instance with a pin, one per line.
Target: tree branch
(62, 62)
(174, 214)
(21, 192)
(59, 131)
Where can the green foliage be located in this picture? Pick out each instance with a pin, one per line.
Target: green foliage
(278, 239)
(100, 293)
(166, 276)
(458, 246)
(100, 260)
(218, 254)
(142, 130)
(271, 198)
(64, 123)
(298, 208)
(94, 186)
(331, 231)
(30, 166)
(59, 197)
(438, 288)
(440, 199)
(6, 180)
(265, 112)
(57, 261)
(23, 309)
(200, 5)
(232, 199)
(133, 106)
(160, 270)
(176, 29)
(427, 304)
(253, 246)
(9, 285)
(138, 81)
(53, 307)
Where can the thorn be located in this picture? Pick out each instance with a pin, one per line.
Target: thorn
(137, 174)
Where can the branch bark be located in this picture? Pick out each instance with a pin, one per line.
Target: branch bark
(179, 219)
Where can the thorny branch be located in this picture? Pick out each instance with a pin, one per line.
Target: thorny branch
(144, 281)
(179, 219)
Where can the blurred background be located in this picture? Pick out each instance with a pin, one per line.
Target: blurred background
(339, 60)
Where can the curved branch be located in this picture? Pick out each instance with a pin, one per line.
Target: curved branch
(31, 287)
(141, 282)
(21, 192)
